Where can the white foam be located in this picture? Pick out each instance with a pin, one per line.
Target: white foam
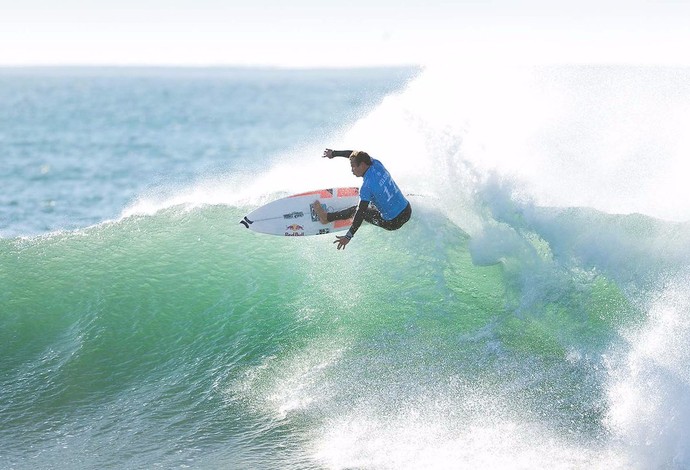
(423, 437)
(649, 386)
(607, 138)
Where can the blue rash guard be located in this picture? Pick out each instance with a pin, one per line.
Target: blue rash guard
(379, 189)
(392, 210)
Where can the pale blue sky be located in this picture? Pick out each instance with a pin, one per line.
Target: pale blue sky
(344, 33)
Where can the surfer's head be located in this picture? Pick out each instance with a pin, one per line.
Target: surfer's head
(360, 162)
(359, 157)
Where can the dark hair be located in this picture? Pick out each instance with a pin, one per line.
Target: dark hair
(359, 157)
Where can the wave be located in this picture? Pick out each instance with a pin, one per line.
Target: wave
(427, 337)
(513, 322)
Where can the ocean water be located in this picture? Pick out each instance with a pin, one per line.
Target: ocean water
(534, 313)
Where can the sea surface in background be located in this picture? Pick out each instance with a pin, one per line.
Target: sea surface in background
(534, 312)
(78, 145)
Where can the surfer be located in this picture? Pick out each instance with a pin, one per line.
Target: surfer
(391, 209)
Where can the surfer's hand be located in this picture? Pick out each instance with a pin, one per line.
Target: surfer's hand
(341, 241)
(328, 153)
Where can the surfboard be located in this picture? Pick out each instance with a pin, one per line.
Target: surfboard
(294, 216)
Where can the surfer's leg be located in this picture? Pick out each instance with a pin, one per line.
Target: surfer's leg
(374, 217)
(343, 214)
(326, 217)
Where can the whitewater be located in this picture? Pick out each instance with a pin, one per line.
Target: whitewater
(534, 312)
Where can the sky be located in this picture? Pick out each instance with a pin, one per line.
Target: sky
(313, 33)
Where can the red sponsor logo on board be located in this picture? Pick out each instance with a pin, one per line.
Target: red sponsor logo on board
(294, 230)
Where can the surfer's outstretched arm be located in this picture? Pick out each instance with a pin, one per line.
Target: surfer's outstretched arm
(329, 153)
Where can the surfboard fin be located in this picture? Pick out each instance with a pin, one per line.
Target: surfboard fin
(246, 222)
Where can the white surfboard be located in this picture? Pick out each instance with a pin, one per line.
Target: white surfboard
(294, 216)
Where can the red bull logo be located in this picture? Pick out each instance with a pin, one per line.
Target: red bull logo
(294, 230)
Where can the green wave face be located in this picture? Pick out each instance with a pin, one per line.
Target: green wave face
(261, 349)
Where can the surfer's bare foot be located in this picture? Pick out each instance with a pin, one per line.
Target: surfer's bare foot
(320, 211)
